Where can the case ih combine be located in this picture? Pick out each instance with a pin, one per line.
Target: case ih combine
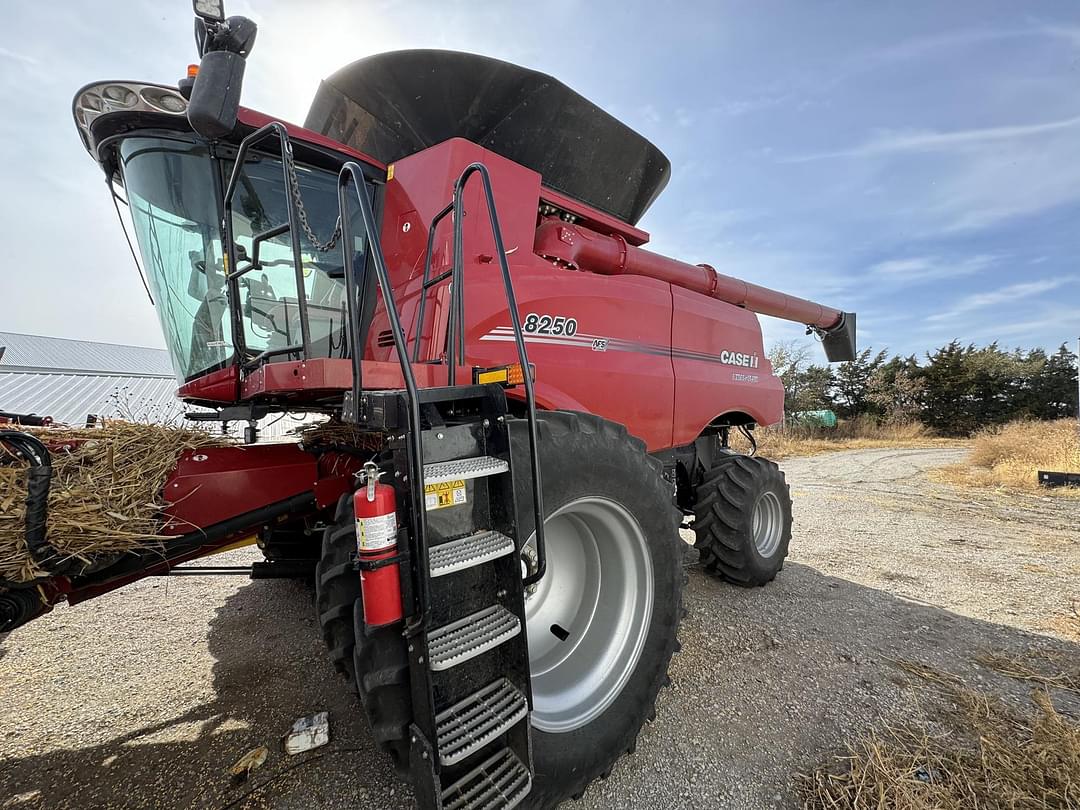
(445, 259)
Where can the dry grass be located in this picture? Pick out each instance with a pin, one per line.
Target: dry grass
(855, 434)
(106, 492)
(334, 434)
(1009, 457)
(1055, 672)
(975, 753)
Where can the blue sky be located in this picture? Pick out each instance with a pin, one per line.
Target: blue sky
(916, 162)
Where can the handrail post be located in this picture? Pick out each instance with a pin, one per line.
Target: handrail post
(231, 274)
(426, 284)
(351, 173)
(519, 340)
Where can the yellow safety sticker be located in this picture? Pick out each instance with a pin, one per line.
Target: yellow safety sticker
(440, 496)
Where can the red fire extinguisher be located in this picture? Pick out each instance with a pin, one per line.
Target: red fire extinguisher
(376, 539)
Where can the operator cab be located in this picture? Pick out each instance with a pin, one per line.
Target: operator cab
(174, 183)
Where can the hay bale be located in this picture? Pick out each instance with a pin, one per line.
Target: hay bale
(106, 494)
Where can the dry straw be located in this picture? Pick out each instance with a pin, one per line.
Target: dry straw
(106, 492)
(975, 753)
(1009, 457)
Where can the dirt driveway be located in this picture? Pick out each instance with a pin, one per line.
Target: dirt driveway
(143, 698)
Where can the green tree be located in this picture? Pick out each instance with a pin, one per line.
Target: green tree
(806, 386)
(1053, 387)
(851, 393)
(969, 388)
(896, 389)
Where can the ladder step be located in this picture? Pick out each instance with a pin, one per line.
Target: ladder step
(465, 552)
(469, 725)
(498, 783)
(467, 638)
(463, 468)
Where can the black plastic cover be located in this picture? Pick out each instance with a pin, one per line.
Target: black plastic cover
(215, 96)
(395, 104)
(839, 342)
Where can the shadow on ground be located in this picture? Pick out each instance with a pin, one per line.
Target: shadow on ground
(770, 681)
(269, 669)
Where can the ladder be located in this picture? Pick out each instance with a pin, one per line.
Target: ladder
(470, 738)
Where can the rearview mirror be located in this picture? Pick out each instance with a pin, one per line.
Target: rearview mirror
(215, 97)
(223, 45)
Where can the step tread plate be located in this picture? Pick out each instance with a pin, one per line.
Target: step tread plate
(469, 725)
(466, 552)
(463, 469)
(467, 638)
(498, 783)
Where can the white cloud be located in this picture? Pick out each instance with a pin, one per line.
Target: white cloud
(929, 268)
(1002, 295)
(968, 180)
(736, 107)
(889, 143)
(21, 58)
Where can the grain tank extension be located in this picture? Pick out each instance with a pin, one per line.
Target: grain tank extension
(394, 104)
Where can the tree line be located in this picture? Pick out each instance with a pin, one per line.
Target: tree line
(955, 390)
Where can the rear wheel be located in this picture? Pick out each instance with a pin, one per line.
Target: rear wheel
(376, 662)
(602, 622)
(742, 520)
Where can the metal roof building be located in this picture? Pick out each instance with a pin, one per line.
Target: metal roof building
(71, 379)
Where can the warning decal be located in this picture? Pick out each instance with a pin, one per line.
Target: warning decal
(448, 493)
(376, 532)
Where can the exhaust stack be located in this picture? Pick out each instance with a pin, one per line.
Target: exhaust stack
(580, 248)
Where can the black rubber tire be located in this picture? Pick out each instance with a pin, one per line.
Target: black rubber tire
(579, 454)
(583, 454)
(723, 520)
(375, 663)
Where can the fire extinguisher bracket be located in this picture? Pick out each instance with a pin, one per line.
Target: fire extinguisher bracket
(374, 565)
(402, 557)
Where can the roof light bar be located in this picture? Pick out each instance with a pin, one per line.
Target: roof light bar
(104, 98)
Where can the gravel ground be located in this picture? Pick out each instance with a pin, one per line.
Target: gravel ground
(143, 698)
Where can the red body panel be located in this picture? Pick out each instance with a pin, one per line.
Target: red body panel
(619, 363)
(214, 484)
(217, 386)
(706, 387)
(256, 119)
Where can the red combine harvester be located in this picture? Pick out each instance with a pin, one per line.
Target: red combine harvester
(445, 259)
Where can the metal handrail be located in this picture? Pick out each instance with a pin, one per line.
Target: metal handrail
(429, 282)
(355, 288)
(457, 325)
(233, 272)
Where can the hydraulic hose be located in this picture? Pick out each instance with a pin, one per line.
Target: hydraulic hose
(38, 481)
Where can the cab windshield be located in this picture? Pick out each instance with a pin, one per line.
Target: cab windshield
(174, 192)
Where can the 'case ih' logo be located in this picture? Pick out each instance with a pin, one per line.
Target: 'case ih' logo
(739, 359)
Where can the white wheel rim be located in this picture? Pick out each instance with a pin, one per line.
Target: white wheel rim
(589, 616)
(768, 523)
